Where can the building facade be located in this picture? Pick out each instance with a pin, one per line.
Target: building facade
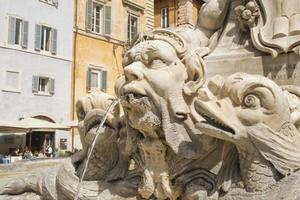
(172, 13)
(102, 28)
(35, 66)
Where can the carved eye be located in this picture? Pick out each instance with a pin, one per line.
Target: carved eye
(157, 63)
(251, 101)
(80, 114)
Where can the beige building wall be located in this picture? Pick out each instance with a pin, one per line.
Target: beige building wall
(104, 51)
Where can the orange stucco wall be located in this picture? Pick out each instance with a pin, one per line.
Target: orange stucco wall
(91, 51)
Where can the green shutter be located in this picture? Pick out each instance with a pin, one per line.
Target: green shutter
(11, 30)
(88, 79)
(107, 20)
(53, 41)
(104, 80)
(128, 28)
(38, 33)
(35, 84)
(51, 86)
(89, 15)
(24, 39)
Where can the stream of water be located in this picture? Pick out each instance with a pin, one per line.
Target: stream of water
(91, 148)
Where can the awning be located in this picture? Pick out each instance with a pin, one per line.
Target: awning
(9, 127)
(71, 124)
(31, 124)
(37, 124)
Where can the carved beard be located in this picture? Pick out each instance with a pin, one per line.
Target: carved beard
(140, 114)
(176, 131)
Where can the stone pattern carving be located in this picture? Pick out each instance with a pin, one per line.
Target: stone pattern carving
(247, 15)
(180, 136)
(257, 119)
(278, 29)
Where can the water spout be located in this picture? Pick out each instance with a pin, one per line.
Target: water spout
(91, 148)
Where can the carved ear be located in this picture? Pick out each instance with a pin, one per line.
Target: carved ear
(196, 70)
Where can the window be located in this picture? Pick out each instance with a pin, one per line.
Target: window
(18, 32)
(98, 18)
(12, 81)
(96, 79)
(43, 85)
(45, 39)
(164, 21)
(63, 143)
(132, 27)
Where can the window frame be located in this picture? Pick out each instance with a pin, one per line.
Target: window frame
(44, 27)
(53, 39)
(23, 41)
(48, 86)
(8, 89)
(129, 33)
(20, 31)
(105, 18)
(101, 18)
(164, 17)
(100, 71)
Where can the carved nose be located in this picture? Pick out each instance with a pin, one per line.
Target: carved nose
(132, 73)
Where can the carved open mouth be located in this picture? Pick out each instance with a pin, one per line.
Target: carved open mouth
(212, 121)
(92, 122)
(135, 100)
(215, 124)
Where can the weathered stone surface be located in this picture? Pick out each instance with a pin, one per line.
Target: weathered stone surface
(181, 136)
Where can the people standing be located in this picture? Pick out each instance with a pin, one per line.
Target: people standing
(49, 151)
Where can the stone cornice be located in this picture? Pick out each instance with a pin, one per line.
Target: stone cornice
(133, 4)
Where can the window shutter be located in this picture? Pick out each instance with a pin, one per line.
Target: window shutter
(89, 14)
(103, 80)
(51, 86)
(88, 79)
(107, 20)
(35, 84)
(11, 30)
(38, 33)
(128, 28)
(24, 38)
(53, 41)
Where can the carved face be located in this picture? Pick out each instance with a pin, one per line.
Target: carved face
(90, 111)
(153, 74)
(243, 101)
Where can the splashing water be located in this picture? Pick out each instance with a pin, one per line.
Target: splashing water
(98, 131)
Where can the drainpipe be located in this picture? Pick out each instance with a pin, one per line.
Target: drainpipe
(75, 31)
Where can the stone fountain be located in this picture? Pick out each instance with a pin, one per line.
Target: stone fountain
(179, 134)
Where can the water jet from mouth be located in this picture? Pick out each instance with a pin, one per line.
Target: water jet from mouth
(91, 148)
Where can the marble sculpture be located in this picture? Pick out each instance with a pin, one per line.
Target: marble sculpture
(176, 135)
